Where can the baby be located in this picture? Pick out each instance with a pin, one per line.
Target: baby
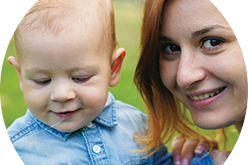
(65, 65)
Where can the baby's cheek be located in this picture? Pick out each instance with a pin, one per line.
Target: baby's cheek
(35, 100)
(96, 102)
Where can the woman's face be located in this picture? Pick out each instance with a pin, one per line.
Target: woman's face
(201, 63)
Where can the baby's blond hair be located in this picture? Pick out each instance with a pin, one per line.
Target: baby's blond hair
(57, 17)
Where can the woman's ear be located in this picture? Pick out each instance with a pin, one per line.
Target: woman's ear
(116, 63)
(13, 61)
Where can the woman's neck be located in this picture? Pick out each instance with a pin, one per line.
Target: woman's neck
(239, 125)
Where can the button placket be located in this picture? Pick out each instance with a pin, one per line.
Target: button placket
(96, 149)
(95, 145)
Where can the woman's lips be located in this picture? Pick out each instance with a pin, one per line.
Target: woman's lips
(205, 99)
(206, 95)
(66, 114)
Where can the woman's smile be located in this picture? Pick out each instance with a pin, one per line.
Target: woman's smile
(206, 99)
(206, 95)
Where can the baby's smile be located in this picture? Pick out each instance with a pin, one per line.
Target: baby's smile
(66, 114)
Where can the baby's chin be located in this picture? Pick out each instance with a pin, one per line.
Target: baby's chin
(66, 128)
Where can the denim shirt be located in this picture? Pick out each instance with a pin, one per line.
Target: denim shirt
(239, 153)
(108, 139)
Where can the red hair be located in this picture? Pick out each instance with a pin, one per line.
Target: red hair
(165, 113)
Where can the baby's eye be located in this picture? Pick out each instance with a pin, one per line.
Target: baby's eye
(43, 82)
(169, 48)
(80, 79)
(211, 43)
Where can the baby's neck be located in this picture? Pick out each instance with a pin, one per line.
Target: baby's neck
(239, 125)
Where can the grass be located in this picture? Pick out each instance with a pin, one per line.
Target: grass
(128, 21)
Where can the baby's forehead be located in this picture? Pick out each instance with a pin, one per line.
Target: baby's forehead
(60, 18)
(75, 41)
(55, 16)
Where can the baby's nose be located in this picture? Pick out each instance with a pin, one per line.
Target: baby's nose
(62, 92)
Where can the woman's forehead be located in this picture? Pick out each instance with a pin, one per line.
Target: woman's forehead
(191, 16)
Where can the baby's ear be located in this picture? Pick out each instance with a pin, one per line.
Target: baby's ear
(13, 61)
(116, 63)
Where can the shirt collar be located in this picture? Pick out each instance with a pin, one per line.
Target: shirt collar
(242, 134)
(107, 118)
(62, 135)
(108, 115)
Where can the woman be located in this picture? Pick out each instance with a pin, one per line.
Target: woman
(189, 54)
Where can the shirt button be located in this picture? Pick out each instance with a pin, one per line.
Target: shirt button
(90, 125)
(96, 149)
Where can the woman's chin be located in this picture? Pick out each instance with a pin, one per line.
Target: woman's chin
(215, 124)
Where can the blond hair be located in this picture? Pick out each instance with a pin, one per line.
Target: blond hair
(57, 17)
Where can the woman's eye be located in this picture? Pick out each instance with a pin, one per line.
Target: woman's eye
(43, 82)
(211, 43)
(171, 48)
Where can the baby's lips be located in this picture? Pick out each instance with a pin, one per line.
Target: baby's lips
(67, 114)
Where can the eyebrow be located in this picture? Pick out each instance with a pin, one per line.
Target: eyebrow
(164, 38)
(194, 34)
(206, 30)
(85, 67)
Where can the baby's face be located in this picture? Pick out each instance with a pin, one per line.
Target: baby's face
(64, 78)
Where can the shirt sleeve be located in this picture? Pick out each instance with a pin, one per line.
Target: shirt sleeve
(204, 159)
(161, 157)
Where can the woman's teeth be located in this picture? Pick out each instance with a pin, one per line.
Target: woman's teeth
(206, 95)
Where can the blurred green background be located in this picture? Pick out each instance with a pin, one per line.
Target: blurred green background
(128, 15)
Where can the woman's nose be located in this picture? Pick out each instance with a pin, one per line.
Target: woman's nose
(190, 69)
(62, 92)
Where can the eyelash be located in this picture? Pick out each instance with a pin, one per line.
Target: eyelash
(220, 41)
(164, 48)
(46, 82)
(43, 82)
(81, 79)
